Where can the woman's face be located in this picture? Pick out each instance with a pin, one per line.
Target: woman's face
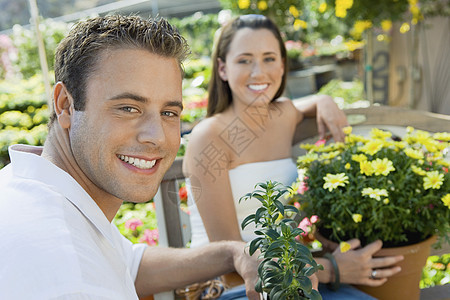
(254, 67)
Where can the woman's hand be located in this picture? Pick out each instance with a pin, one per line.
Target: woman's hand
(356, 266)
(329, 116)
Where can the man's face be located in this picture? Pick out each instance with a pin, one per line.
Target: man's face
(129, 133)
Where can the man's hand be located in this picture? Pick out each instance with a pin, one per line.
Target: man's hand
(247, 267)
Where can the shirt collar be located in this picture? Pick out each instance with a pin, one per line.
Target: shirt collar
(26, 162)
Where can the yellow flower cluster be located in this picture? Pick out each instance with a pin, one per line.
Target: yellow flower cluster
(300, 24)
(342, 6)
(415, 11)
(244, 4)
(373, 178)
(262, 5)
(359, 27)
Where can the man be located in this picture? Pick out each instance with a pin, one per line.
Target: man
(113, 134)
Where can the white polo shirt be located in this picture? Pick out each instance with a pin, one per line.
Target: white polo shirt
(55, 242)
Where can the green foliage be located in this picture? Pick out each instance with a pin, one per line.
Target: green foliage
(24, 39)
(378, 187)
(374, 11)
(344, 93)
(282, 12)
(199, 30)
(286, 263)
(23, 114)
(436, 271)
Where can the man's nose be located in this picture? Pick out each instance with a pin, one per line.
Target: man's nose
(151, 131)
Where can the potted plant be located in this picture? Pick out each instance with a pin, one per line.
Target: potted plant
(285, 263)
(379, 187)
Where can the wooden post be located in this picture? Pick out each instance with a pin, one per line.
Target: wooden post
(41, 48)
(369, 66)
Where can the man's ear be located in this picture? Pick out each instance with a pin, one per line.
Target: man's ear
(221, 69)
(63, 105)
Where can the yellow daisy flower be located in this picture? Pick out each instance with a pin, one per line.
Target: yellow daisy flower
(329, 155)
(307, 158)
(380, 134)
(416, 154)
(382, 166)
(344, 247)
(374, 193)
(372, 147)
(433, 180)
(386, 201)
(446, 200)
(359, 157)
(366, 168)
(347, 130)
(357, 218)
(418, 171)
(332, 181)
(442, 136)
(347, 166)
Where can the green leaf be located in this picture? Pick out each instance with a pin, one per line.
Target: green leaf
(249, 219)
(258, 285)
(288, 278)
(259, 212)
(305, 283)
(272, 234)
(254, 245)
(314, 295)
(279, 206)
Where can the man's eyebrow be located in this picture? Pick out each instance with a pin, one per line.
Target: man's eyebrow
(135, 97)
(127, 95)
(175, 103)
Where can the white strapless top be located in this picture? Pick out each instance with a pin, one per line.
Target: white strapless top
(243, 179)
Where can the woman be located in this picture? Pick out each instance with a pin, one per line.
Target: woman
(247, 138)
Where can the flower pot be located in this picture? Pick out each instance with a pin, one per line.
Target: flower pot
(403, 285)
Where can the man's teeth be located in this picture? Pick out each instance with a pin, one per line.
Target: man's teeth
(138, 163)
(258, 87)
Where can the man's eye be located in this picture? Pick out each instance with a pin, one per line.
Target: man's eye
(129, 109)
(169, 114)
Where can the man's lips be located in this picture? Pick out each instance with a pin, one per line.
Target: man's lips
(138, 162)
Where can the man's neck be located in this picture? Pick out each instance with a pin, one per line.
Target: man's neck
(58, 151)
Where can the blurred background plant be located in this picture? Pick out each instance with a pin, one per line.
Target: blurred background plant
(436, 271)
(137, 222)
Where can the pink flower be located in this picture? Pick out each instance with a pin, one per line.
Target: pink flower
(314, 219)
(320, 142)
(304, 225)
(445, 169)
(297, 204)
(132, 224)
(150, 237)
(302, 188)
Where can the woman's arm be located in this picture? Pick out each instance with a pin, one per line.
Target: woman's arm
(327, 113)
(206, 164)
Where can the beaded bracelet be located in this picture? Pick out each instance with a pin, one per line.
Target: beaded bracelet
(334, 285)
